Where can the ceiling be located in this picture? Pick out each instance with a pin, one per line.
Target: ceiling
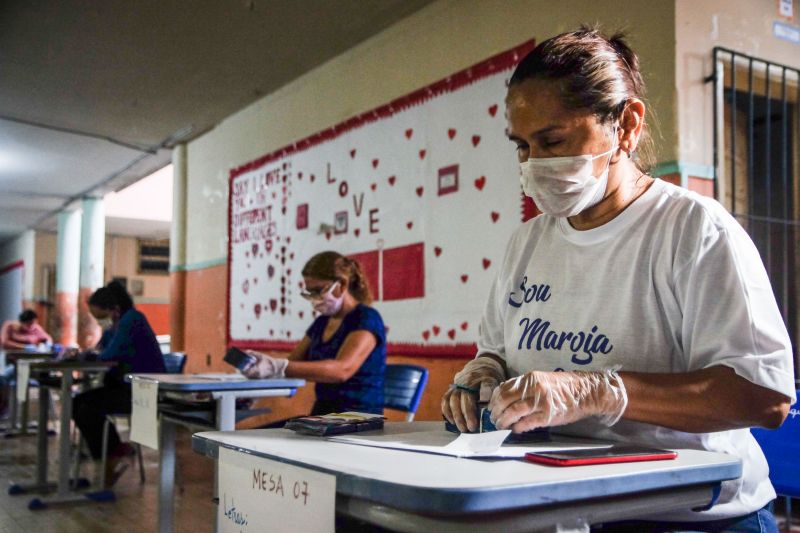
(94, 94)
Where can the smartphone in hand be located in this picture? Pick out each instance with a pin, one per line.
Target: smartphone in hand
(239, 358)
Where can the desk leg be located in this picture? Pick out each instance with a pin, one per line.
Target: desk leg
(166, 482)
(41, 437)
(13, 405)
(24, 429)
(64, 441)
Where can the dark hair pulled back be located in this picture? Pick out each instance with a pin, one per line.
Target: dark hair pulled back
(334, 266)
(594, 72)
(111, 296)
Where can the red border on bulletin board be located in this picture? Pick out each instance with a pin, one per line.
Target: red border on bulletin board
(498, 63)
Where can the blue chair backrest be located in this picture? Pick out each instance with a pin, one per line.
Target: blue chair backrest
(174, 362)
(782, 449)
(403, 386)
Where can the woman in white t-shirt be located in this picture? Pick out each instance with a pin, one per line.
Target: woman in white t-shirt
(631, 309)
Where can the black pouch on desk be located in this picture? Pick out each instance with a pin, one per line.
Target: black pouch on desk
(335, 423)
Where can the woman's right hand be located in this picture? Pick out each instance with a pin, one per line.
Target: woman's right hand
(460, 401)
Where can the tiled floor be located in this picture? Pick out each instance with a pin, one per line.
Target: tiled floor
(135, 509)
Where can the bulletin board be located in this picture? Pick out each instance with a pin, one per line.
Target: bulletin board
(424, 191)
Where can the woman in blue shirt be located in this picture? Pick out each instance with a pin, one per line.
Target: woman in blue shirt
(131, 343)
(344, 350)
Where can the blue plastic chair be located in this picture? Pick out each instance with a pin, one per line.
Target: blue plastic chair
(403, 386)
(782, 448)
(174, 362)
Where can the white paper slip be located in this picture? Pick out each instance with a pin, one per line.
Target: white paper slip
(466, 445)
(257, 494)
(144, 412)
(220, 376)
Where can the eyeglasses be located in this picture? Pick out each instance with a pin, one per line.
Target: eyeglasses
(317, 294)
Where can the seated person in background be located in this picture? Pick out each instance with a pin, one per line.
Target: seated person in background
(24, 332)
(344, 350)
(129, 341)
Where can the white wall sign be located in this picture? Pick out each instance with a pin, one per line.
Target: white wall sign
(424, 191)
(144, 412)
(257, 494)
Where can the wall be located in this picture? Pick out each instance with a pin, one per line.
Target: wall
(439, 40)
(21, 248)
(121, 257)
(120, 261)
(741, 25)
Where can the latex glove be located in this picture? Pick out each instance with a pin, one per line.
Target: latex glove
(544, 399)
(265, 366)
(460, 406)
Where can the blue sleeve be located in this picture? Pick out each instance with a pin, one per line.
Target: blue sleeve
(368, 319)
(120, 343)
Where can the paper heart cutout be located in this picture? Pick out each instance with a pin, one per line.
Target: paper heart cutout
(255, 281)
(248, 327)
(392, 179)
(409, 224)
(436, 330)
(274, 195)
(495, 215)
(270, 271)
(291, 255)
(452, 334)
(480, 183)
(300, 314)
(375, 163)
(327, 235)
(422, 154)
(493, 109)
(288, 239)
(299, 175)
(273, 304)
(246, 286)
(409, 133)
(373, 186)
(283, 310)
(464, 278)
(451, 133)
(437, 251)
(486, 263)
(268, 245)
(419, 191)
(475, 140)
(357, 232)
(464, 326)
(313, 177)
(352, 154)
(255, 248)
(288, 271)
(257, 310)
(272, 333)
(426, 334)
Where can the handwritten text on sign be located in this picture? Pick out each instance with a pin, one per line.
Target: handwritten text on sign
(254, 491)
(144, 413)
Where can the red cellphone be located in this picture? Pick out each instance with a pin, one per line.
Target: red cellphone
(622, 453)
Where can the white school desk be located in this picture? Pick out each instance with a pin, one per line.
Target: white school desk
(12, 356)
(65, 368)
(410, 491)
(225, 393)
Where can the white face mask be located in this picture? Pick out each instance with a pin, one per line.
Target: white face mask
(565, 186)
(105, 323)
(329, 304)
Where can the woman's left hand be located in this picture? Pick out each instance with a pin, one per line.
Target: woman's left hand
(265, 367)
(544, 399)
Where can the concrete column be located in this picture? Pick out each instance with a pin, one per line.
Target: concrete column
(93, 236)
(68, 261)
(177, 250)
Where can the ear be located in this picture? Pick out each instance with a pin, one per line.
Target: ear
(341, 287)
(631, 123)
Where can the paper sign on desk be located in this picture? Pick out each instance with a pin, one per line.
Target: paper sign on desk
(144, 413)
(256, 494)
